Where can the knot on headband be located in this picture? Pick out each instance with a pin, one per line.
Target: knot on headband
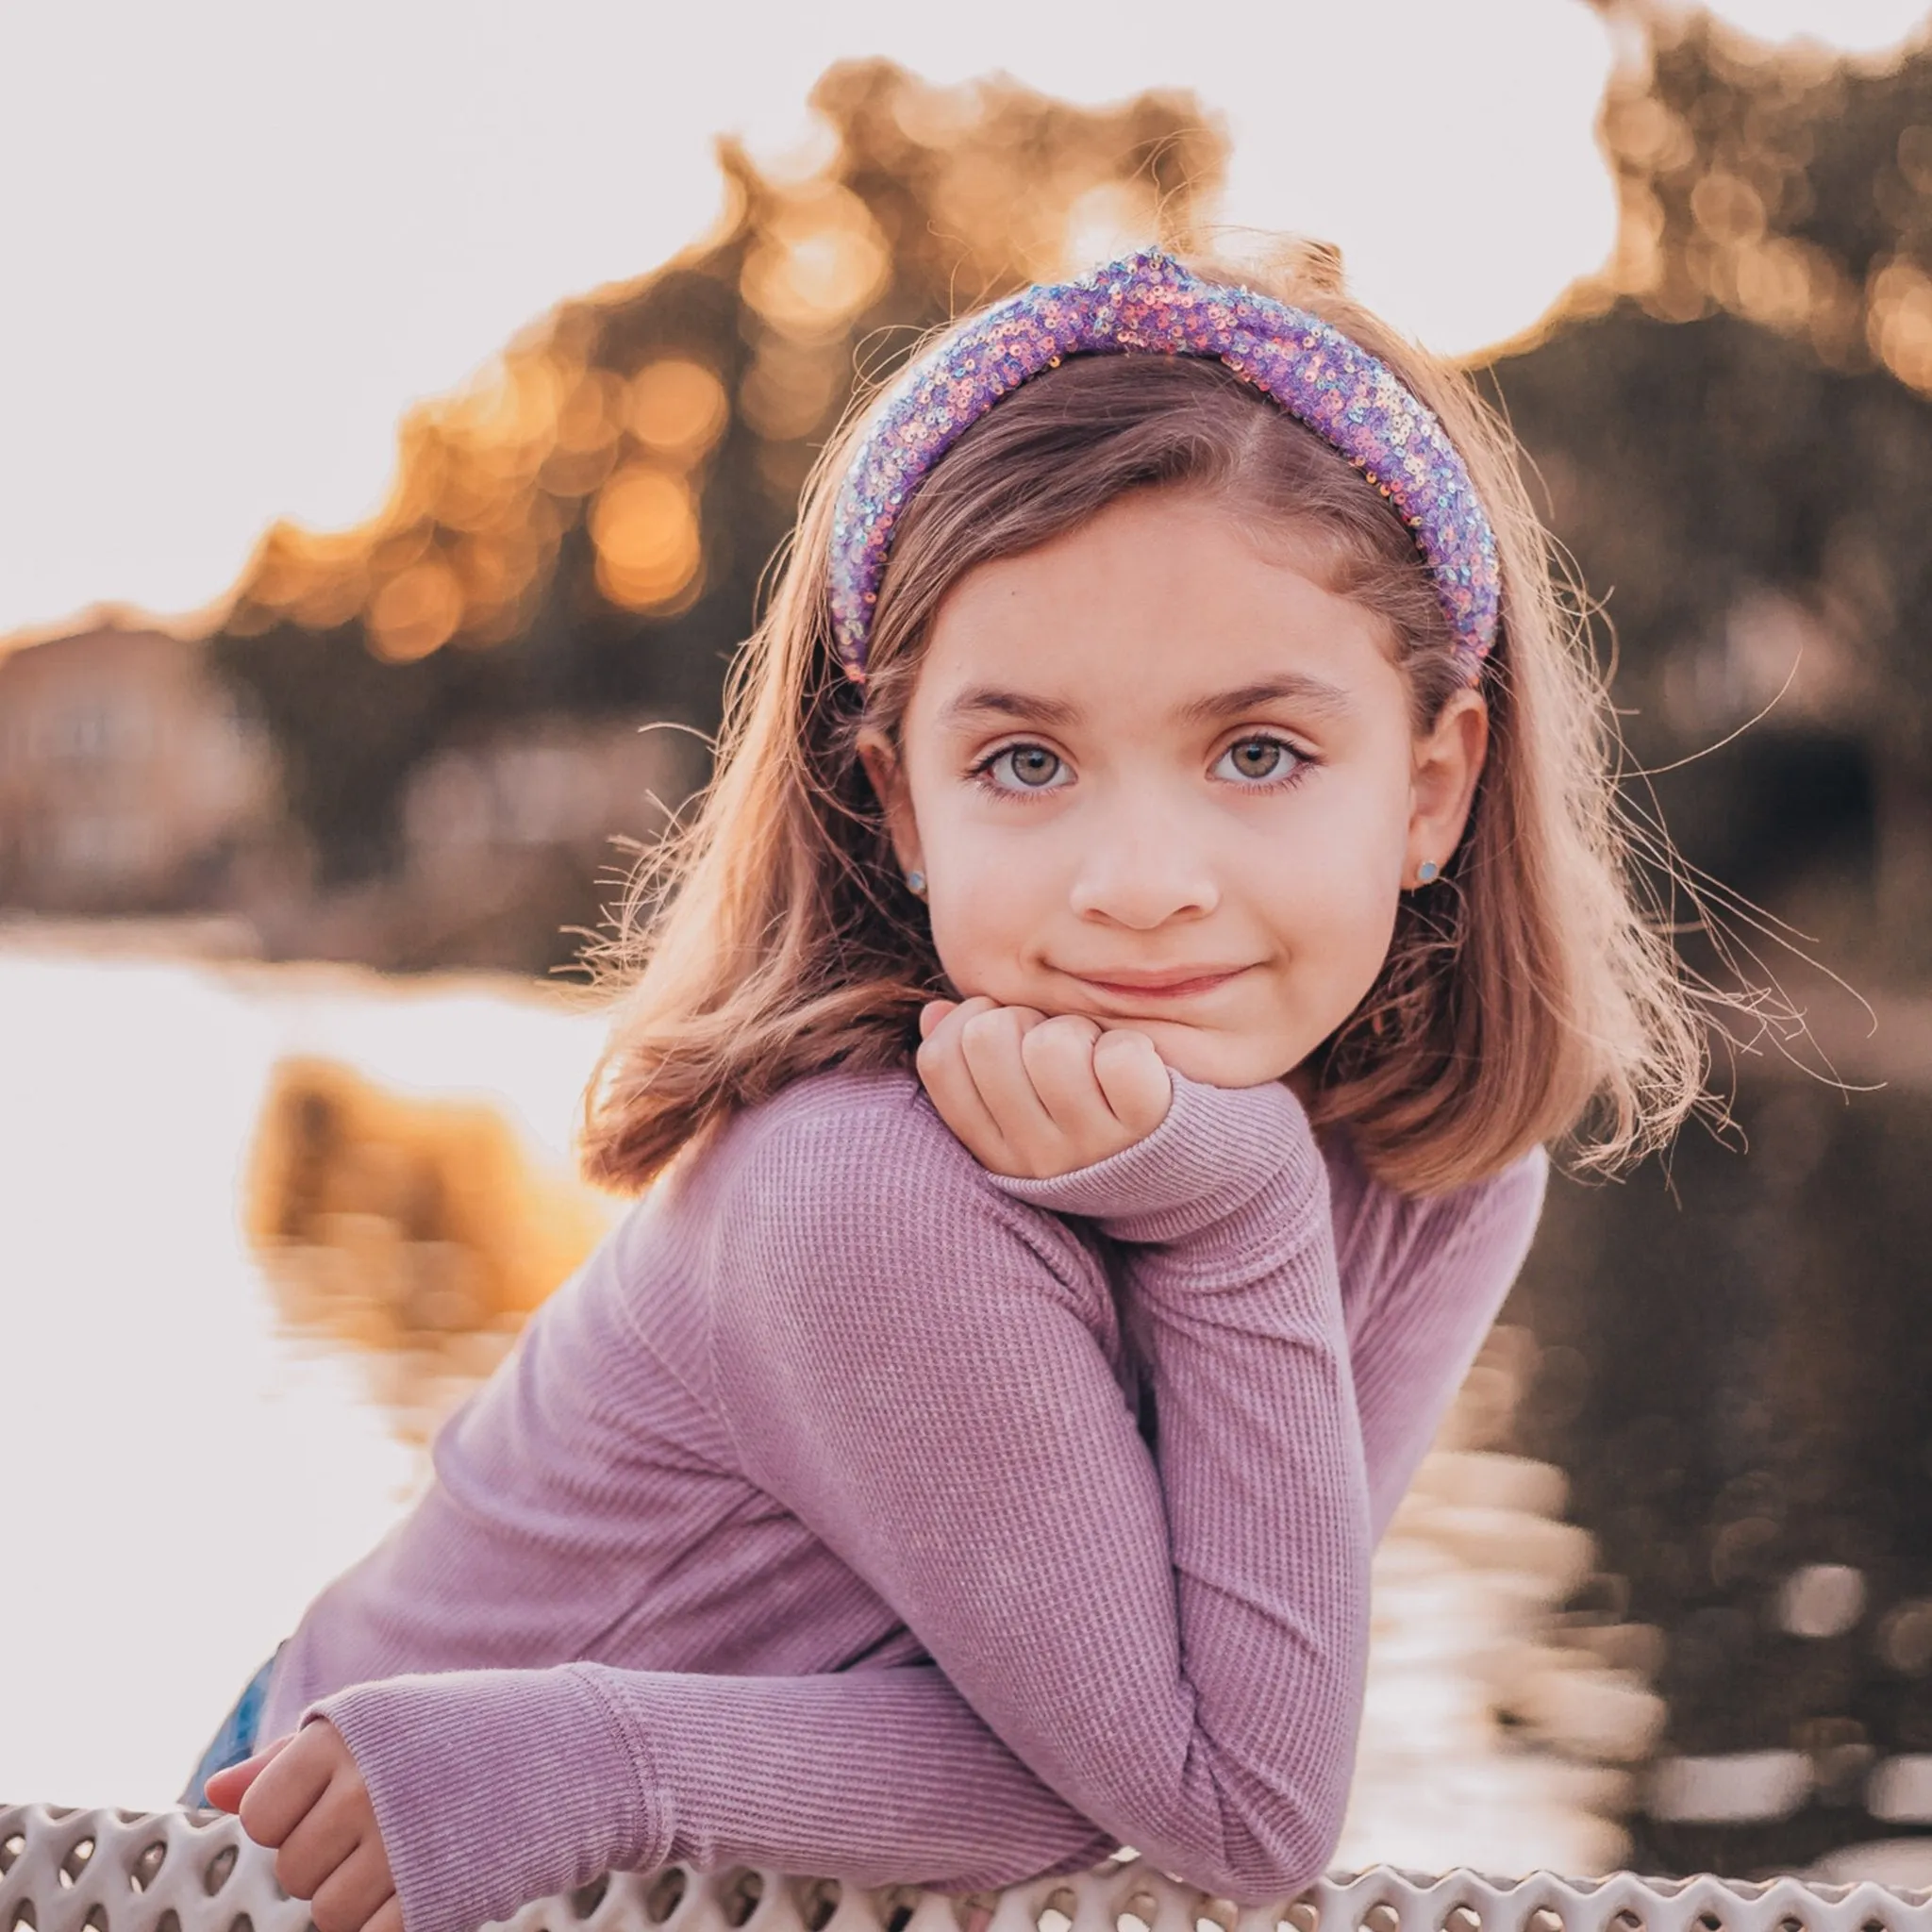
(1150, 304)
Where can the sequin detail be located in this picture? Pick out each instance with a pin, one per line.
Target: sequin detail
(1150, 304)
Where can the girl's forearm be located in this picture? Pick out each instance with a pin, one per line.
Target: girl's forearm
(491, 1787)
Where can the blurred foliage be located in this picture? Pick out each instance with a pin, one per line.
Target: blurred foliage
(585, 528)
(1733, 432)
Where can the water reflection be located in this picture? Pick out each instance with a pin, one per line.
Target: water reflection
(417, 1231)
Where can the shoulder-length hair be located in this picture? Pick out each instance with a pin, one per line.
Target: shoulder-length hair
(1527, 997)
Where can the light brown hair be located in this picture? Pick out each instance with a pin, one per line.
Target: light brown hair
(1527, 996)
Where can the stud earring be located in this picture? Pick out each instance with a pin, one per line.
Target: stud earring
(1427, 872)
(915, 883)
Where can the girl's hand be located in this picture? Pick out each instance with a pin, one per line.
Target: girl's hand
(303, 1795)
(1032, 1097)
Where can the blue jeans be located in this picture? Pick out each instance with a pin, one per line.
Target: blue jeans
(235, 1740)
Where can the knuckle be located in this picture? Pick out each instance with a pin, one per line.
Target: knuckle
(258, 1820)
(1039, 1041)
(1123, 1046)
(1052, 1046)
(984, 1028)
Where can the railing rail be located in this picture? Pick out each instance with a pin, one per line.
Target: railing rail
(72, 1870)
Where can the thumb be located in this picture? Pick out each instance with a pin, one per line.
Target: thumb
(226, 1788)
(931, 1014)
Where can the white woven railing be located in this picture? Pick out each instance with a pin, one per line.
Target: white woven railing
(67, 1871)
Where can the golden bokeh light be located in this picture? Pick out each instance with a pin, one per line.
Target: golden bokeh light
(585, 436)
(821, 262)
(1898, 321)
(676, 407)
(416, 612)
(645, 525)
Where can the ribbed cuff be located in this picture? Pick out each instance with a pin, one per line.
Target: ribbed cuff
(1218, 1149)
(492, 1788)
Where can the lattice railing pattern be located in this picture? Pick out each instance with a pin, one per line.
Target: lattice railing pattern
(67, 1871)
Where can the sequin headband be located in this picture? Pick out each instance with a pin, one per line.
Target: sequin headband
(1149, 302)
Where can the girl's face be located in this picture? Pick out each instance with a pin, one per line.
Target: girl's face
(1157, 777)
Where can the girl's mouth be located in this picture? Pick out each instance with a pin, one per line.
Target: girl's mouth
(1183, 983)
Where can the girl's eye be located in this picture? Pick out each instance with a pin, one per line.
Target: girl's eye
(1024, 768)
(1255, 760)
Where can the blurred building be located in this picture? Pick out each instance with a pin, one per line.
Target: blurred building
(129, 781)
(470, 809)
(514, 839)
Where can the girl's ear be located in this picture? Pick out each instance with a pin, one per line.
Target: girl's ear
(1448, 761)
(886, 771)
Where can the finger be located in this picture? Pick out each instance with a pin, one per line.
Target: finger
(1134, 1078)
(1058, 1059)
(389, 1918)
(325, 1838)
(989, 1044)
(279, 1799)
(352, 1892)
(224, 1789)
(932, 1014)
(943, 1074)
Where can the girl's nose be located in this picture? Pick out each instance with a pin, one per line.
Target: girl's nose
(1142, 868)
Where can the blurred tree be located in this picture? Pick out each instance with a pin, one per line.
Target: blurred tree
(1733, 431)
(585, 530)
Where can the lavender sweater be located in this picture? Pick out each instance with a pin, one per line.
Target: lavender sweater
(856, 1511)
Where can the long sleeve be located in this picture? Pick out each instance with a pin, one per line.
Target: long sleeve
(1166, 1654)
(1439, 1271)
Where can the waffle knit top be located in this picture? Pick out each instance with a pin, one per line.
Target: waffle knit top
(858, 1512)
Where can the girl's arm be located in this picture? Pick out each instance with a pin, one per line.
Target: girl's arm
(1170, 1659)
(1436, 1279)
(917, 1375)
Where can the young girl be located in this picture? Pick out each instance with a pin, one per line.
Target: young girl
(1160, 894)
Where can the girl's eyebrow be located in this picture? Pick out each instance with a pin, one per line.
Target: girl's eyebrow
(1295, 687)
(988, 698)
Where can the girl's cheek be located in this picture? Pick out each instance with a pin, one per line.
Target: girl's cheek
(965, 935)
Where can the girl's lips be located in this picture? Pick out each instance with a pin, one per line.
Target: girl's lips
(1180, 986)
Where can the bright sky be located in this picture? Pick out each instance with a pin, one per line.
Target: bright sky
(238, 238)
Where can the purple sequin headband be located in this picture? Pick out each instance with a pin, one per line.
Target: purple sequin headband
(1149, 302)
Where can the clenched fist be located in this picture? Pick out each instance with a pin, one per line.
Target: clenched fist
(1035, 1097)
(304, 1796)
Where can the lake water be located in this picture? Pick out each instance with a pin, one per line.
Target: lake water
(186, 1474)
